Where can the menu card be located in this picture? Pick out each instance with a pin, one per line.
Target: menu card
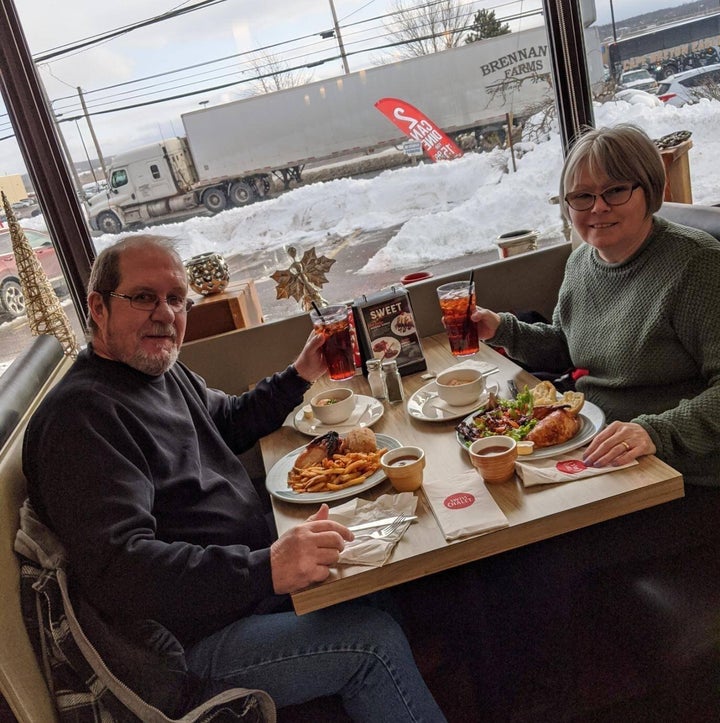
(386, 329)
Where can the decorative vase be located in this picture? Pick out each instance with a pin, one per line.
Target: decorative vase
(208, 273)
(516, 242)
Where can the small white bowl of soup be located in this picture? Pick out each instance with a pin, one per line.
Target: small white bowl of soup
(333, 406)
(460, 387)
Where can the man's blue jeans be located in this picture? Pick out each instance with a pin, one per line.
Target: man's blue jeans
(354, 650)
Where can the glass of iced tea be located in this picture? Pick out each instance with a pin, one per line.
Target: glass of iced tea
(457, 301)
(333, 323)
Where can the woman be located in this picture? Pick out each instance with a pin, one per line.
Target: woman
(637, 308)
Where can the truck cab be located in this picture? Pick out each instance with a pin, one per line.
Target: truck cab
(142, 183)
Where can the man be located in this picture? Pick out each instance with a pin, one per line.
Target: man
(131, 461)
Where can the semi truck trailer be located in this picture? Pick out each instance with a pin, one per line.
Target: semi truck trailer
(230, 152)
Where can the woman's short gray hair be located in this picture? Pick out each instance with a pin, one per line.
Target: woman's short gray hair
(622, 153)
(105, 273)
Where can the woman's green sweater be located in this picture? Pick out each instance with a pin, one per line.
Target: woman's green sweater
(648, 332)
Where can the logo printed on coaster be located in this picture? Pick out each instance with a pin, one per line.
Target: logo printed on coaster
(571, 466)
(459, 501)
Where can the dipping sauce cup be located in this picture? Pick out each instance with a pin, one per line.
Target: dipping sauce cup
(334, 325)
(455, 300)
(404, 467)
(494, 458)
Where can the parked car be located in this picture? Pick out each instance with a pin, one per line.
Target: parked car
(689, 86)
(12, 301)
(25, 208)
(638, 97)
(639, 79)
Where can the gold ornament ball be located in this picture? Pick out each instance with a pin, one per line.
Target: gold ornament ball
(208, 273)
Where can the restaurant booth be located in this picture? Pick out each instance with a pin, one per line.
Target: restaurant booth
(674, 632)
(662, 624)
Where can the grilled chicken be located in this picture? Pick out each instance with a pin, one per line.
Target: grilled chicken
(558, 427)
(319, 449)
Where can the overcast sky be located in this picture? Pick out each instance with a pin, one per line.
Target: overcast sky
(220, 31)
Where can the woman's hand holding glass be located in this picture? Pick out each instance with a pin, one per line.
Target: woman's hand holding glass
(487, 322)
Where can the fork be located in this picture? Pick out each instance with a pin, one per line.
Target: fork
(387, 531)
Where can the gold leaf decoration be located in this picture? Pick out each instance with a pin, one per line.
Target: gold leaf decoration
(303, 280)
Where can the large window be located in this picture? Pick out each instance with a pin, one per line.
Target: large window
(266, 123)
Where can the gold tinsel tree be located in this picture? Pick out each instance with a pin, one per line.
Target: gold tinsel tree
(44, 313)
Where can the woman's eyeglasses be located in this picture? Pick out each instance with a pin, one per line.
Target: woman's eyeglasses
(613, 196)
(146, 301)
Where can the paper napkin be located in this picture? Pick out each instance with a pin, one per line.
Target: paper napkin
(563, 468)
(482, 366)
(463, 506)
(365, 550)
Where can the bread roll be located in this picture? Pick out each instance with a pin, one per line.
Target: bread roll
(360, 439)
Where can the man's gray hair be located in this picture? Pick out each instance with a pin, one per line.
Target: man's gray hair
(105, 273)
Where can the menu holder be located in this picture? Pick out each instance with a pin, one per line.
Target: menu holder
(386, 330)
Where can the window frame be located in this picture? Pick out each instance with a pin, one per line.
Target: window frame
(37, 134)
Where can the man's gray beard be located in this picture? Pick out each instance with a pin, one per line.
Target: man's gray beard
(155, 365)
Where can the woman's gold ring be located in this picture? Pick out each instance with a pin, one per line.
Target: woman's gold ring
(626, 445)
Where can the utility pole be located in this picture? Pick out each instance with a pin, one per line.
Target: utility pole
(612, 19)
(92, 133)
(339, 38)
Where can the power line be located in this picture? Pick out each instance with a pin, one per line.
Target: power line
(301, 60)
(95, 39)
(304, 59)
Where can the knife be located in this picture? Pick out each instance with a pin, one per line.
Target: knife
(379, 523)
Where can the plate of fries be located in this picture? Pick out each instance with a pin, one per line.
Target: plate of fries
(343, 475)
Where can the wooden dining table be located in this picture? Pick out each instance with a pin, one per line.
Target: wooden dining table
(533, 514)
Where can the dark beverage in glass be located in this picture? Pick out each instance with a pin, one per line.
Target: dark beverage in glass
(333, 323)
(457, 301)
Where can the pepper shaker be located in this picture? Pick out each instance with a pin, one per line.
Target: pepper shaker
(393, 382)
(375, 379)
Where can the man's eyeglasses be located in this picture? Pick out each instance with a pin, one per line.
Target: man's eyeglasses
(613, 196)
(146, 301)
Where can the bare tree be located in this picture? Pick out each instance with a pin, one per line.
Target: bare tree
(425, 28)
(272, 73)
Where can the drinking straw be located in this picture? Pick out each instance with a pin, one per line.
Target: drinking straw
(315, 306)
(469, 309)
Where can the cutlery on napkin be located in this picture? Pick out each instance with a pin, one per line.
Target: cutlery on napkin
(364, 550)
(563, 468)
(379, 523)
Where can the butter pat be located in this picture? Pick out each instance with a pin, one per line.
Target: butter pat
(525, 447)
(307, 412)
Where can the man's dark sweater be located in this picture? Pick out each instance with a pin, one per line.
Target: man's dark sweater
(137, 475)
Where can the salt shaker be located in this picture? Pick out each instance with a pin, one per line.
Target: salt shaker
(393, 382)
(375, 379)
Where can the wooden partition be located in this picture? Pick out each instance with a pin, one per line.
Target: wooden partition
(237, 359)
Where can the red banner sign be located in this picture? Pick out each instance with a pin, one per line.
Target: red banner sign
(419, 127)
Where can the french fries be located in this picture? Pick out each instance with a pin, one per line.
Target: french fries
(336, 473)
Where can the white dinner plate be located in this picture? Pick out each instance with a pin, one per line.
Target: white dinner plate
(592, 420)
(277, 486)
(367, 411)
(426, 405)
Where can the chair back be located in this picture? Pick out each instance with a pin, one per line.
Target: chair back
(22, 683)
